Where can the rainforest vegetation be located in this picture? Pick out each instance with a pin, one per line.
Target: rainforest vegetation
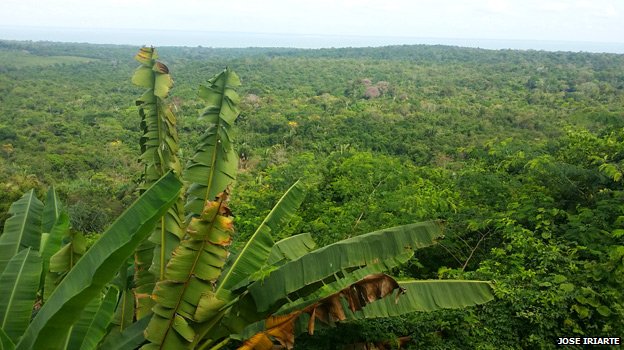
(516, 157)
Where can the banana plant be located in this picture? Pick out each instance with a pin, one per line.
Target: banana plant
(209, 297)
(74, 315)
(159, 154)
(183, 289)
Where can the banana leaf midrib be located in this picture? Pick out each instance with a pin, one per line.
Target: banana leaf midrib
(161, 169)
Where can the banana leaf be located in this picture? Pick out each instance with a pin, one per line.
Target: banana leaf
(214, 165)
(18, 290)
(22, 229)
(430, 295)
(99, 265)
(356, 252)
(51, 210)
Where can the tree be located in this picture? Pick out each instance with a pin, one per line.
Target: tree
(183, 289)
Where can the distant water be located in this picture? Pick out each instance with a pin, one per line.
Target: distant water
(217, 39)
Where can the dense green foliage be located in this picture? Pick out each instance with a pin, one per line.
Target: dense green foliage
(521, 153)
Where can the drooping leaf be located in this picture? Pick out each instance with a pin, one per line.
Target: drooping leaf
(356, 252)
(191, 273)
(350, 278)
(430, 295)
(99, 265)
(245, 311)
(99, 323)
(23, 229)
(328, 310)
(214, 165)
(258, 249)
(18, 290)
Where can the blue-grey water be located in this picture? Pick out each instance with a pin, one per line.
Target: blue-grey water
(218, 39)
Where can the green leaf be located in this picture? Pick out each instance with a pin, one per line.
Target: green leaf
(99, 265)
(18, 290)
(582, 311)
(356, 252)
(50, 247)
(603, 310)
(191, 273)
(51, 210)
(159, 154)
(55, 239)
(257, 250)
(67, 257)
(124, 313)
(143, 77)
(5, 341)
(567, 287)
(429, 295)
(617, 233)
(99, 323)
(342, 283)
(560, 278)
(214, 165)
(291, 248)
(22, 229)
(131, 337)
(80, 328)
(162, 84)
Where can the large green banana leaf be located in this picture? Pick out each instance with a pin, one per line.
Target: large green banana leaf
(349, 254)
(214, 165)
(18, 289)
(258, 248)
(22, 229)
(429, 295)
(98, 266)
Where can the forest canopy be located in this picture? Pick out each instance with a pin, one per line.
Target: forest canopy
(520, 153)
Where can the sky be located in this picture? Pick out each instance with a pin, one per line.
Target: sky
(557, 20)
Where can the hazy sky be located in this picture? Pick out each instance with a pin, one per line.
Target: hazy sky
(570, 20)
